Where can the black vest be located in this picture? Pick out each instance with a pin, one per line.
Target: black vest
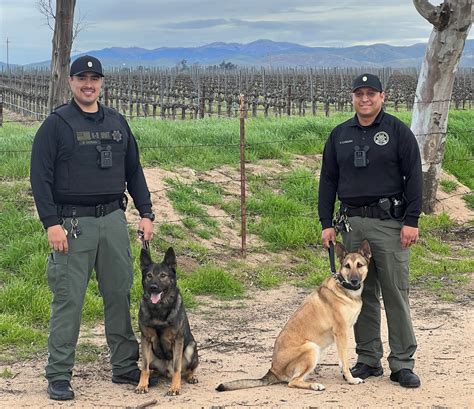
(97, 162)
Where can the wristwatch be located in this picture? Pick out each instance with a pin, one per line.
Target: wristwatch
(150, 216)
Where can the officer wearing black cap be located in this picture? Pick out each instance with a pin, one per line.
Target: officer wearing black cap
(84, 155)
(372, 163)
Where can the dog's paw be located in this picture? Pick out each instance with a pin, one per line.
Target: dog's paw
(172, 392)
(355, 381)
(192, 380)
(317, 387)
(141, 389)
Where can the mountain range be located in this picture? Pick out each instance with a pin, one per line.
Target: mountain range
(269, 53)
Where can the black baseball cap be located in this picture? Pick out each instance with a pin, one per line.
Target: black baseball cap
(86, 63)
(367, 80)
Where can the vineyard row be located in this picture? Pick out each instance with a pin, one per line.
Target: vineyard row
(198, 93)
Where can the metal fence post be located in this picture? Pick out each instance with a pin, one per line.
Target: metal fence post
(243, 206)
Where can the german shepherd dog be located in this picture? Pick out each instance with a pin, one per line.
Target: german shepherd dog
(167, 344)
(326, 316)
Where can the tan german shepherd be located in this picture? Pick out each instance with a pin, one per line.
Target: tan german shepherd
(326, 316)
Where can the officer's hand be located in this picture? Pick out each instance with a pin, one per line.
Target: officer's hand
(328, 235)
(408, 236)
(146, 226)
(57, 238)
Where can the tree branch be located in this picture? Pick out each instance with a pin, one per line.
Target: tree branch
(438, 16)
(45, 7)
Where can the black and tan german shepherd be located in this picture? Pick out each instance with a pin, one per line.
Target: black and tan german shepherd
(167, 345)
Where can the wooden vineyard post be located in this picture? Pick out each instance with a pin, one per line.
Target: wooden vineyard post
(106, 96)
(288, 105)
(202, 105)
(243, 207)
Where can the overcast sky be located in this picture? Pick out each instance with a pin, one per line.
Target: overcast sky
(188, 23)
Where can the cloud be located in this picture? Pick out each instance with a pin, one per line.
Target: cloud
(229, 23)
(189, 23)
(197, 24)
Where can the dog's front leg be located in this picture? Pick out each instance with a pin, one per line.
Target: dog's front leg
(177, 363)
(147, 353)
(341, 342)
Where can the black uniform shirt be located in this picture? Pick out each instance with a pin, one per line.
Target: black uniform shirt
(54, 142)
(394, 167)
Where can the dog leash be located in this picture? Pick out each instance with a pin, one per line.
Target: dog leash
(332, 261)
(145, 243)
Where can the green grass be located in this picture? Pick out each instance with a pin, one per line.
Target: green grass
(212, 280)
(281, 212)
(469, 199)
(448, 186)
(312, 269)
(15, 147)
(6, 374)
(208, 143)
(89, 352)
(435, 264)
(189, 200)
(459, 154)
(269, 277)
(173, 231)
(19, 340)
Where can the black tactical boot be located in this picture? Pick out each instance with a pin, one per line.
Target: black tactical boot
(363, 371)
(60, 390)
(406, 378)
(133, 377)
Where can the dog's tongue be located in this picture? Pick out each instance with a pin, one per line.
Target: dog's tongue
(155, 297)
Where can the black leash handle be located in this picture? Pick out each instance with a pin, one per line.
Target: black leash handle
(145, 243)
(331, 258)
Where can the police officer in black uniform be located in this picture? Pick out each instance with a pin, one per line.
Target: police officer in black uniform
(372, 162)
(84, 156)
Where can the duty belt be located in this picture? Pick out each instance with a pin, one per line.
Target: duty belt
(92, 211)
(371, 211)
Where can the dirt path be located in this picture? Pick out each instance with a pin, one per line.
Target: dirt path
(236, 340)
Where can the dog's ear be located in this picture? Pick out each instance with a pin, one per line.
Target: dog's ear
(364, 249)
(170, 258)
(145, 259)
(341, 251)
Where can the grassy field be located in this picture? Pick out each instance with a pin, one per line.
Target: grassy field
(282, 213)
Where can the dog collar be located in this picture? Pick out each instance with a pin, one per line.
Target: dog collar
(346, 285)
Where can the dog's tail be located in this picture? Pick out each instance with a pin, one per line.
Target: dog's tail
(268, 379)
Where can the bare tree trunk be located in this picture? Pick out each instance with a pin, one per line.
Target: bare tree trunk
(61, 55)
(451, 24)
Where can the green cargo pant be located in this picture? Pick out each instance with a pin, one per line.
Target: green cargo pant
(388, 273)
(104, 246)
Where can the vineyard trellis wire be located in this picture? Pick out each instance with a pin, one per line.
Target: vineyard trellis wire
(235, 145)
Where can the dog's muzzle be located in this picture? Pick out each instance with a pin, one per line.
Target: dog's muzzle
(155, 293)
